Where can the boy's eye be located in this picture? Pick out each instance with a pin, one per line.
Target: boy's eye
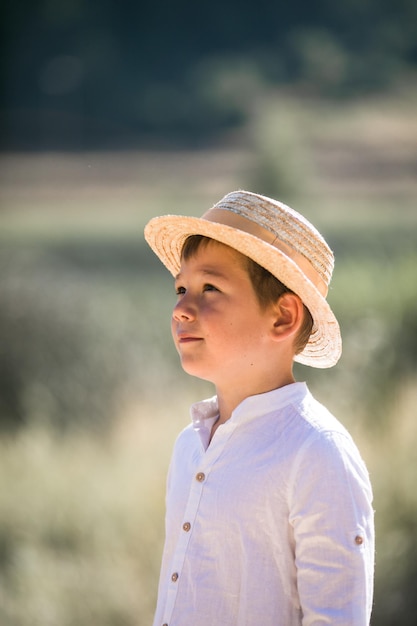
(180, 291)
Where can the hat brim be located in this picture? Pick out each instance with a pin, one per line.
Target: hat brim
(166, 236)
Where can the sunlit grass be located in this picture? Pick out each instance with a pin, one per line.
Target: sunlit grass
(81, 522)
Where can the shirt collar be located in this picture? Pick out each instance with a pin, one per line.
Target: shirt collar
(205, 413)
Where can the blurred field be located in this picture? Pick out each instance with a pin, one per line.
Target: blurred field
(91, 392)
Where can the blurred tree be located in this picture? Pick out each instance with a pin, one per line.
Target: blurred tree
(94, 73)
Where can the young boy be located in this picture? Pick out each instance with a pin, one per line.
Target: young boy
(269, 519)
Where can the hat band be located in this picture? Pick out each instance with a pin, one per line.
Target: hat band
(234, 220)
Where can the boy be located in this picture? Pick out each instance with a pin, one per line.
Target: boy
(269, 519)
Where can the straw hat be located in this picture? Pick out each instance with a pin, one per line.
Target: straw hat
(277, 238)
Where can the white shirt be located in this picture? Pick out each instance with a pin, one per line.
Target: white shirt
(269, 525)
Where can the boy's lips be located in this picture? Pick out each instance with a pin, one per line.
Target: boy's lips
(187, 338)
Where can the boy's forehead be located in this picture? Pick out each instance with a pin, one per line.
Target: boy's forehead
(213, 258)
(209, 244)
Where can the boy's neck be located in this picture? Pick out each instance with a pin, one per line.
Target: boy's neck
(230, 398)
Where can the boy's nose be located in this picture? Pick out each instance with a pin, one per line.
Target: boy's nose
(184, 311)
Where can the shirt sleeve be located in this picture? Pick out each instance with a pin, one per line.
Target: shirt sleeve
(332, 519)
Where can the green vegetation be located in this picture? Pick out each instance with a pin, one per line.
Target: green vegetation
(105, 74)
(92, 395)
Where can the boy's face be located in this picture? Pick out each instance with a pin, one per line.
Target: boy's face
(218, 326)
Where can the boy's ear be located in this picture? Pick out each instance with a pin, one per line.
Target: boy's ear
(288, 316)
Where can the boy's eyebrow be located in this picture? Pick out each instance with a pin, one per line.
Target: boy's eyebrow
(209, 271)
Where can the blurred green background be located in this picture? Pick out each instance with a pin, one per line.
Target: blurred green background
(112, 113)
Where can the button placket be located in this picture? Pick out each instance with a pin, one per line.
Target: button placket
(196, 490)
(190, 513)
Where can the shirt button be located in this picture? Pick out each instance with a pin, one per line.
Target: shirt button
(174, 577)
(200, 477)
(186, 526)
(358, 540)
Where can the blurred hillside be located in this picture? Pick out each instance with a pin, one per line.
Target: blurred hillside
(96, 74)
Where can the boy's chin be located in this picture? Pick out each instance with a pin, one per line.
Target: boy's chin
(192, 369)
